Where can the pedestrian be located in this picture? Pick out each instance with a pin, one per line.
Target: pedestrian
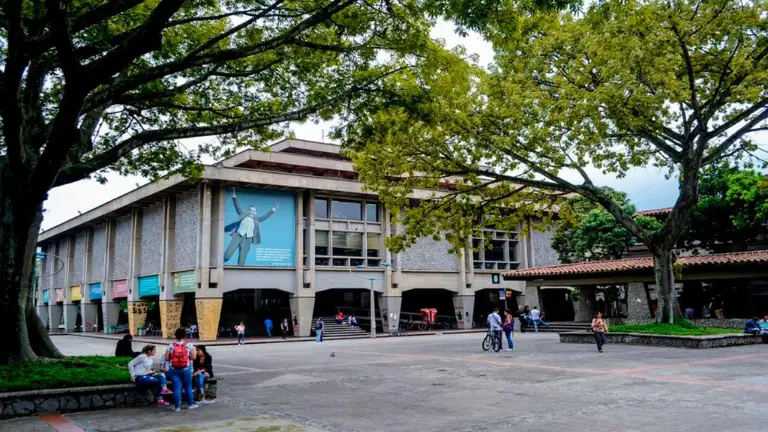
(284, 328)
(494, 323)
(521, 316)
(535, 317)
(509, 327)
(599, 327)
(240, 328)
(319, 330)
(180, 354)
(124, 347)
(203, 366)
(142, 374)
(268, 326)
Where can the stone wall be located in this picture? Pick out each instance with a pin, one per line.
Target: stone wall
(26, 403)
(543, 254)
(428, 254)
(122, 256)
(728, 323)
(63, 253)
(715, 341)
(151, 240)
(185, 233)
(96, 260)
(78, 259)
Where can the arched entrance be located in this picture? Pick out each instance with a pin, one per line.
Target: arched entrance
(441, 299)
(556, 303)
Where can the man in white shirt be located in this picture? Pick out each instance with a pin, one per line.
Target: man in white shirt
(494, 323)
(536, 318)
(245, 230)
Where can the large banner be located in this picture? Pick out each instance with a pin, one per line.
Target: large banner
(260, 227)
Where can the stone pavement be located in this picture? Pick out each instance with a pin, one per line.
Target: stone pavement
(447, 383)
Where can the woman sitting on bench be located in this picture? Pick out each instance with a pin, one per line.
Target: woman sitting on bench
(143, 375)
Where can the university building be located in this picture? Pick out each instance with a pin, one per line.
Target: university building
(283, 234)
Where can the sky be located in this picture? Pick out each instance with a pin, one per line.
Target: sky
(646, 187)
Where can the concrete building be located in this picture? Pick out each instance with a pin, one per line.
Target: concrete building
(287, 233)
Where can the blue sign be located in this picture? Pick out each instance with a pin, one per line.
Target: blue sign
(149, 286)
(45, 296)
(94, 291)
(260, 228)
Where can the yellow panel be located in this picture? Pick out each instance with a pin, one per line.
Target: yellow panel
(77, 292)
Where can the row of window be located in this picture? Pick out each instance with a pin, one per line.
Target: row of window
(346, 210)
(500, 254)
(345, 249)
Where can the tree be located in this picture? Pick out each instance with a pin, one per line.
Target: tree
(680, 85)
(92, 86)
(584, 231)
(732, 210)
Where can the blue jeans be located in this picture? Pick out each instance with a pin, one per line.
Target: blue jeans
(240, 338)
(318, 335)
(200, 380)
(181, 377)
(157, 382)
(509, 338)
(269, 333)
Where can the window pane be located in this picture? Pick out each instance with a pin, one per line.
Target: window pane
(372, 212)
(321, 208)
(496, 251)
(354, 262)
(321, 243)
(476, 244)
(347, 244)
(373, 263)
(478, 265)
(340, 262)
(513, 251)
(501, 266)
(372, 248)
(489, 266)
(322, 261)
(348, 210)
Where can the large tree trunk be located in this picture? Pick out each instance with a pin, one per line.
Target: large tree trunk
(22, 337)
(668, 310)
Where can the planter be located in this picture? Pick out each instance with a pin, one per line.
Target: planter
(33, 402)
(710, 341)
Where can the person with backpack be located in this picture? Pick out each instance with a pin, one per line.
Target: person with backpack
(180, 355)
(203, 366)
(284, 328)
(319, 330)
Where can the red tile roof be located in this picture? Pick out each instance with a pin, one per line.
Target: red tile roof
(636, 264)
(655, 212)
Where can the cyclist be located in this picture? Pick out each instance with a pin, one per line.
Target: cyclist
(494, 322)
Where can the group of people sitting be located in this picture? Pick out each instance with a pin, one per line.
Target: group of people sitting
(184, 364)
(531, 318)
(351, 320)
(758, 327)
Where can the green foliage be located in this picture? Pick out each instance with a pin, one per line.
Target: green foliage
(732, 210)
(679, 328)
(66, 373)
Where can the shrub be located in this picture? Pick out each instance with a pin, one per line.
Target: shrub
(66, 373)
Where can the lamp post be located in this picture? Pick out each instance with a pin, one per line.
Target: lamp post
(373, 295)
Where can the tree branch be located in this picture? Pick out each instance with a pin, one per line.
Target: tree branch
(723, 146)
(62, 37)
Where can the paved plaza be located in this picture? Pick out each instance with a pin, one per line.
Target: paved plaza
(447, 383)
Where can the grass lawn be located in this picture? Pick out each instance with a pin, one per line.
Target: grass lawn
(66, 373)
(684, 328)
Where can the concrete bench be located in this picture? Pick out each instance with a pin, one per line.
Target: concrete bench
(709, 341)
(33, 402)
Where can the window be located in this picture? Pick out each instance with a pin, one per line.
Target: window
(348, 210)
(499, 254)
(321, 243)
(372, 212)
(372, 248)
(321, 208)
(347, 244)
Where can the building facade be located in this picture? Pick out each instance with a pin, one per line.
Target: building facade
(283, 234)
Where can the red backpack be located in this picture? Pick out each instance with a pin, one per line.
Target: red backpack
(179, 356)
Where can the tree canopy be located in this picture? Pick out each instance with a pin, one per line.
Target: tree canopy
(676, 84)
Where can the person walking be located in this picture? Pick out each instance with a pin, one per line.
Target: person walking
(240, 328)
(268, 325)
(319, 330)
(509, 327)
(599, 327)
(180, 355)
(284, 328)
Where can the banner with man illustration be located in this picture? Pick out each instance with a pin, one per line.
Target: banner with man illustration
(260, 228)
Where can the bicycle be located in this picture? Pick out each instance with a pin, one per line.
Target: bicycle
(400, 331)
(492, 340)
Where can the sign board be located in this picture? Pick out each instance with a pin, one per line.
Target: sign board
(77, 292)
(496, 278)
(509, 293)
(184, 282)
(59, 294)
(502, 294)
(149, 286)
(45, 296)
(94, 291)
(119, 289)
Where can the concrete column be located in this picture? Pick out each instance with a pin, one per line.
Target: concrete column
(469, 265)
(311, 241)
(70, 310)
(109, 308)
(90, 313)
(584, 308)
(88, 309)
(299, 254)
(386, 233)
(398, 258)
(389, 309)
(302, 309)
(464, 306)
(43, 311)
(55, 313)
(532, 297)
(207, 301)
(208, 315)
(137, 308)
(219, 223)
(637, 302)
(169, 304)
